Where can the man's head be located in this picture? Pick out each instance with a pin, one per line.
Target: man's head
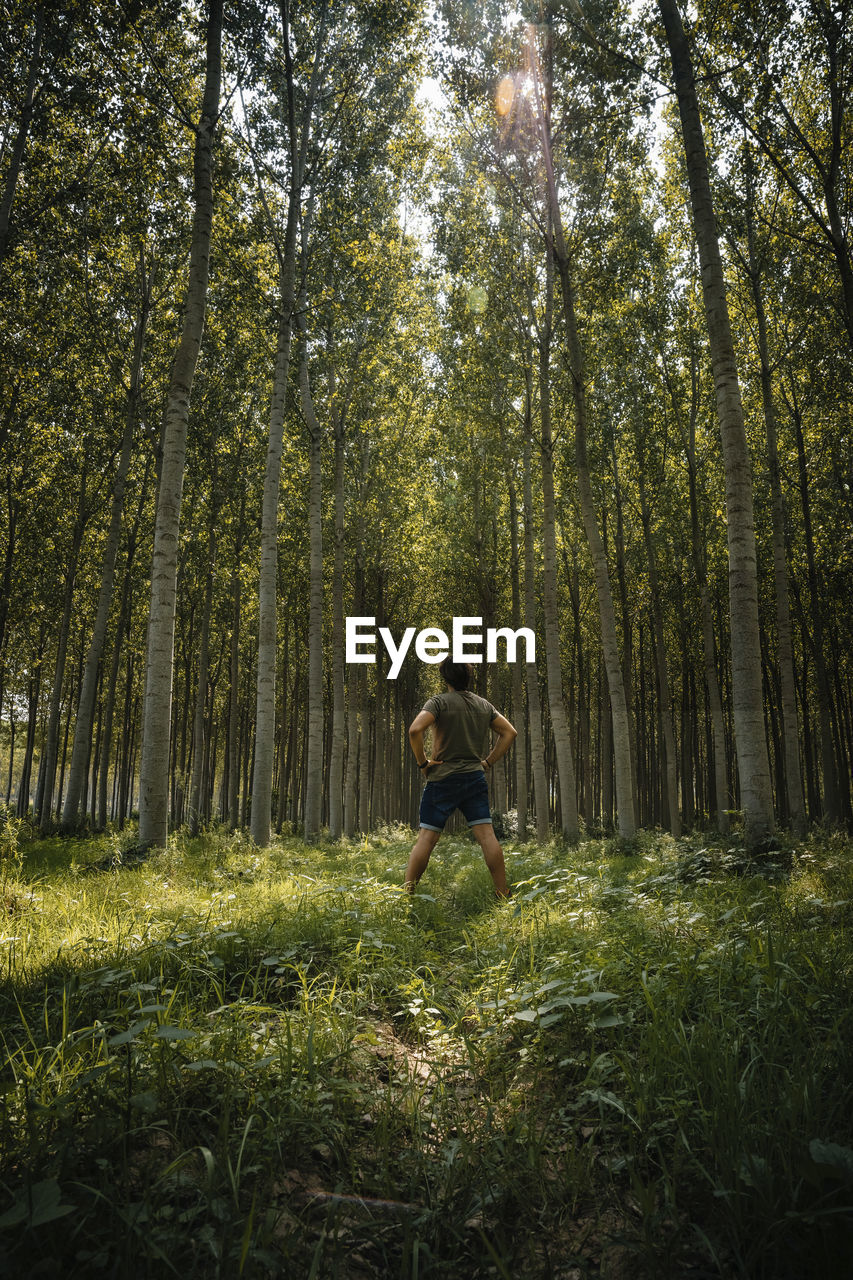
(456, 674)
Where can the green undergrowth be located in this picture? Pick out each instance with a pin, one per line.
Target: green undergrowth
(226, 1062)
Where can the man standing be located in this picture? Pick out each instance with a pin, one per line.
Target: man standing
(456, 772)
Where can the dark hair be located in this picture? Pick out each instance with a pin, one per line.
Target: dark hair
(457, 674)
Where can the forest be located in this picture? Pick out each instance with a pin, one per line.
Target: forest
(533, 315)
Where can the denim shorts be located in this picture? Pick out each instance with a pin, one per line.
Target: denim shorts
(466, 791)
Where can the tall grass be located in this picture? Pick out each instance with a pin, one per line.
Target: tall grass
(224, 1063)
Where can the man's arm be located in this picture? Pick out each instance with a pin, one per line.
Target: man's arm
(417, 729)
(506, 736)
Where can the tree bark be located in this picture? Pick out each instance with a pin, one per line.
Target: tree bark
(339, 738)
(557, 248)
(518, 715)
(790, 725)
(831, 803)
(71, 814)
(534, 708)
(195, 804)
(154, 767)
(748, 707)
(19, 145)
(314, 735)
(265, 713)
(44, 797)
(662, 665)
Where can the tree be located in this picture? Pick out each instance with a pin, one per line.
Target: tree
(154, 769)
(751, 745)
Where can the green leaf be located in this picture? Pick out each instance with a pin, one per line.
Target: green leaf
(132, 1032)
(167, 1032)
(833, 1155)
(46, 1200)
(146, 1101)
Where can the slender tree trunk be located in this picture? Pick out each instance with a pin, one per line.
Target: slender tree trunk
(662, 665)
(154, 769)
(557, 251)
(83, 726)
(195, 805)
(282, 752)
(717, 764)
(556, 706)
(33, 689)
(534, 708)
(518, 716)
(314, 736)
(790, 726)
(339, 736)
(831, 804)
(355, 682)
(607, 754)
(121, 628)
(44, 799)
(11, 756)
(268, 578)
(628, 641)
(748, 707)
(20, 143)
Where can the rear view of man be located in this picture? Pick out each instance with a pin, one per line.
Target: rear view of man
(456, 772)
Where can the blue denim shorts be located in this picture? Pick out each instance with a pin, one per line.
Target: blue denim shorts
(466, 791)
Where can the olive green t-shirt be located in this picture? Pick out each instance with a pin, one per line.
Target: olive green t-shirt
(460, 735)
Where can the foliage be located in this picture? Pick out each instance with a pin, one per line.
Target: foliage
(225, 1062)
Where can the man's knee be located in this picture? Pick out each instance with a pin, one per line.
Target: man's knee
(484, 833)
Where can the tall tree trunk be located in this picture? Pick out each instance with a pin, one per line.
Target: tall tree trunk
(627, 637)
(262, 771)
(339, 738)
(33, 690)
(518, 716)
(556, 706)
(748, 707)
(154, 768)
(195, 805)
(831, 803)
(85, 712)
(662, 664)
(557, 250)
(20, 143)
(314, 736)
(44, 798)
(355, 682)
(717, 763)
(534, 707)
(790, 726)
(265, 713)
(233, 784)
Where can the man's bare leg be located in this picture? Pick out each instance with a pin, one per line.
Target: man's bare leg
(419, 857)
(484, 834)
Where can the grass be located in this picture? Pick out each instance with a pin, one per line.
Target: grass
(225, 1062)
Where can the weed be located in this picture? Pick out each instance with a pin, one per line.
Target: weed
(226, 1061)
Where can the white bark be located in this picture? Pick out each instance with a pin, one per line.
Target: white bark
(86, 707)
(154, 765)
(747, 699)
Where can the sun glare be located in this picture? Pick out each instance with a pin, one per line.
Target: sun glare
(504, 95)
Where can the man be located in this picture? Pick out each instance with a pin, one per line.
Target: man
(456, 772)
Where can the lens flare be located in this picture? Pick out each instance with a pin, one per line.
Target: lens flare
(477, 300)
(504, 95)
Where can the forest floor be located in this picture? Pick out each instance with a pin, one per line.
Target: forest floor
(222, 1062)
